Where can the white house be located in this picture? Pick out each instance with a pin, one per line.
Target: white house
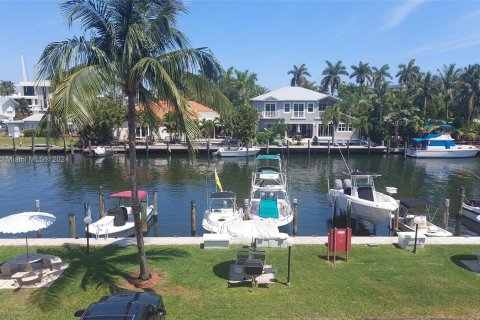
(30, 122)
(7, 108)
(302, 109)
(37, 94)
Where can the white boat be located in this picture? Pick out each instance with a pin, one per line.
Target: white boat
(359, 195)
(237, 151)
(119, 221)
(222, 211)
(471, 210)
(440, 145)
(269, 199)
(99, 152)
(416, 210)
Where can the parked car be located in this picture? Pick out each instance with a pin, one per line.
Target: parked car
(131, 305)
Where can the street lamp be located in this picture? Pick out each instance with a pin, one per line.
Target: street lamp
(417, 220)
(88, 220)
(290, 242)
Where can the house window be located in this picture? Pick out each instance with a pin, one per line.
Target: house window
(350, 127)
(322, 106)
(270, 110)
(310, 108)
(298, 110)
(342, 127)
(141, 132)
(286, 108)
(325, 131)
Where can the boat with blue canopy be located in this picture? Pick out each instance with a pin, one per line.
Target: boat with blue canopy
(439, 144)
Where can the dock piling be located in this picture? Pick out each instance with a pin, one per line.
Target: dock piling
(369, 144)
(245, 209)
(144, 215)
(192, 218)
(101, 202)
(446, 213)
(388, 147)
(405, 150)
(33, 143)
(348, 148)
(295, 217)
(37, 205)
(397, 214)
(146, 144)
(268, 146)
(461, 197)
(308, 146)
(71, 146)
(288, 147)
(328, 146)
(71, 225)
(14, 146)
(155, 204)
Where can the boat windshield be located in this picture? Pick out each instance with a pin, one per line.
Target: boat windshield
(216, 203)
(263, 194)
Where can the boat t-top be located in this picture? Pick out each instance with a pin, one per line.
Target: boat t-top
(222, 211)
(358, 195)
(269, 173)
(440, 145)
(119, 221)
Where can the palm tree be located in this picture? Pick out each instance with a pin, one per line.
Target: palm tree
(426, 93)
(408, 74)
(362, 73)
(134, 45)
(468, 90)
(379, 76)
(244, 84)
(363, 123)
(332, 75)
(333, 114)
(446, 80)
(299, 75)
(207, 126)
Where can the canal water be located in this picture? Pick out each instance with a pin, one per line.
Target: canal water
(64, 184)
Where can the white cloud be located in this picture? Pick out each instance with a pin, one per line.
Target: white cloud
(448, 45)
(400, 13)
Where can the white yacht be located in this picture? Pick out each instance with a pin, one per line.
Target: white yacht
(222, 211)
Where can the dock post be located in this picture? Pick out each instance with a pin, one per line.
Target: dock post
(208, 148)
(33, 143)
(14, 146)
(308, 146)
(125, 148)
(144, 215)
(192, 218)
(155, 204)
(101, 202)
(388, 147)
(64, 145)
(146, 144)
(461, 197)
(446, 213)
(268, 146)
(405, 150)
(71, 225)
(246, 214)
(288, 147)
(168, 147)
(397, 214)
(295, 217)
(37, 205)
(348, 148)
(328, 146)
(369, 144)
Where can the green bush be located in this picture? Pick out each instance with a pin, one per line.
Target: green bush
(38, 132)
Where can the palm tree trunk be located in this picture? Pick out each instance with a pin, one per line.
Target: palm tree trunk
(132, 152)
(446, 111)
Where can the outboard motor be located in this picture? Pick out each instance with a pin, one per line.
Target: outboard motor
(337, 184)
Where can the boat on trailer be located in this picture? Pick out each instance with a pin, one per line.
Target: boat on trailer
(358, 195)
(119, 221)
(222, 211)
(440, 145)
(420, 210)
(269, 199)
(471, 210)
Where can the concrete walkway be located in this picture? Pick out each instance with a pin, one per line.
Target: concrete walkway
(199, 240)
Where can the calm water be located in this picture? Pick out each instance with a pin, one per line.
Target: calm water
(64, 187)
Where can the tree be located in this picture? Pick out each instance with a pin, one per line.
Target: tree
(170, 122)
(23, 107)
(299, 75)
(207, 127)
(7, 88)
(333, 114)
(246, 122)
(379, 76)
(135, 45)
(468, 92)
(408, 74)
(363, 123)
(426, 93)
(332, 75)
(107, 116)
(280, 128)
(362, 73)
(446, 80)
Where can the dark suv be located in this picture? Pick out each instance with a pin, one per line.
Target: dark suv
(132, 305)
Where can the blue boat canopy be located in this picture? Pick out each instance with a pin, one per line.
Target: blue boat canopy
(268, 156)
(439, 126)
(419, 139)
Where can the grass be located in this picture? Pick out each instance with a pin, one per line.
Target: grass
(7, 142)
(382, 282)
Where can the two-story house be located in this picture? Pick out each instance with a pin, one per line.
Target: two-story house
(302, 109)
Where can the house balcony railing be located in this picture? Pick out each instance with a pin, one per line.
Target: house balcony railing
(269, 114)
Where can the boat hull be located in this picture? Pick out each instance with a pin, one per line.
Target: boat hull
(241, 152)
(471, 212)
(446, 153)
(217, 222)
(374, 212)
(104, 227)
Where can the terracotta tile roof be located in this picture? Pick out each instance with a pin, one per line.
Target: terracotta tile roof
(162, 107)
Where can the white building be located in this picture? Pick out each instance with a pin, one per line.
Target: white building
(7, 108)
(37, 94)
(30, 122)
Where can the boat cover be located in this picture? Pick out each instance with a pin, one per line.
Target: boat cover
(268, 156)
(128, 194)
(414, 202)
(268, 208)
(120, 216)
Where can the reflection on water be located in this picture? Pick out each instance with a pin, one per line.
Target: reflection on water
(65, 187)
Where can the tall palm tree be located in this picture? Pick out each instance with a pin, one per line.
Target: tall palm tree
(244, 84)
(136, 46)
(379, 76)
(334, 115)
(426, 93)
(446, 80)
(408, 74)
(362, 73)
(299, 75)
(332, 75)
(468, 90)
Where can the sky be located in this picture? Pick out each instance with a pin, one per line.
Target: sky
(270, 37)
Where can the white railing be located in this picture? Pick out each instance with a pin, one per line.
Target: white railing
(298, 114)
(269, 114)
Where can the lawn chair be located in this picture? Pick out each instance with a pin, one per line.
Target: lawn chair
(260, 254)
(242, 256)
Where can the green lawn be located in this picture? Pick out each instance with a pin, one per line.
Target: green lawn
(6, 142)
(383, 282)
